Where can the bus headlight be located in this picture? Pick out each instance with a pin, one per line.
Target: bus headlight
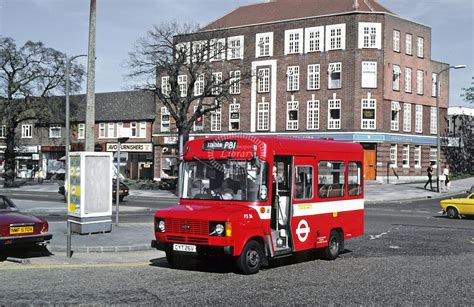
(160, 225)
(217, 229)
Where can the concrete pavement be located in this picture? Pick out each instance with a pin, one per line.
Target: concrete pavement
(137, 236)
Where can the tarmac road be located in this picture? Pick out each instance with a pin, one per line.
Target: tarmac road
(410, 255)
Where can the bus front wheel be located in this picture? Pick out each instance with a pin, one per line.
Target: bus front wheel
(251, 259)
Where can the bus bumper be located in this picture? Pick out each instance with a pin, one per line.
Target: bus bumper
(201, 249)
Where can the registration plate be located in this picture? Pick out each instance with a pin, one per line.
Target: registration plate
(14, 230)
(184, 248)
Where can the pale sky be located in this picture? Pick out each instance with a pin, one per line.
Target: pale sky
(63, 25)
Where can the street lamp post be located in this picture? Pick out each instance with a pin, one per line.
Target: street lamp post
(66, 182)
(120, 140)
(438, 149)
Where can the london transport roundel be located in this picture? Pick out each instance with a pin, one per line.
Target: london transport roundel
(302, 231)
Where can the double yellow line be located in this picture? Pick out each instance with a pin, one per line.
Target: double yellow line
(22, 267)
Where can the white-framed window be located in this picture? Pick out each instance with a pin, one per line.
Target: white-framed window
(143, 129)
(234, 82)
(336, 37)
(235, 46)
(183, 52)
(406, 156)
(234, 116)
(165, 85)
(312, 116)
(263, 115)
(408, 44)
(264, 44)
(217, 83)
(420, 47)
(81, 131)
(293, 78)
(418, 118)
(293, 41)
(198, 124)
(393, 155)
(395, 120)
(369, 108)
(54, 131)
(101, 130)
(216, 120)
(3, 131)
(199, 50)
(314, 39)
(369, 74)
(434, 79)
(433, 156)
(26, 131)
(110, 130)
(433, 121)
(396, 40)
(263, 81)
(314, 77)
(133, 130)
(292, 111)
(419, 82)
(334, 75)
(120, 131)
(396, 78)
(407, 117)
(217, 49)
(407, 79)
(165, 119)
(370, 35)
(183, 85)
(334, 114)
(417, 156)
(199, 85)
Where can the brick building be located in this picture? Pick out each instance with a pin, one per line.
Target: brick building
(118, 114)
(348, 70)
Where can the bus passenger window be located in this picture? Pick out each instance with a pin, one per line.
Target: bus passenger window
(354, 178)
(331, 179)
(304, 182)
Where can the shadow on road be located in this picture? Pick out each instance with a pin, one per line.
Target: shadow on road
(25, 252)
(223, 265)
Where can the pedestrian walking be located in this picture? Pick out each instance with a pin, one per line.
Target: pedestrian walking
(447, 182)
(429, 173)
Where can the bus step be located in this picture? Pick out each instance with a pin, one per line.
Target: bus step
(282, 253)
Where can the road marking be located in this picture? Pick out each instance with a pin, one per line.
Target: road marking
(74, 266)
(35, 195)
(373, 237)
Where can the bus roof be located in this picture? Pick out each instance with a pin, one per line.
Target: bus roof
(266, 145)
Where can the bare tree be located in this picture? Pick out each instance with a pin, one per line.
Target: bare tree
(28, 76)
(195, 67)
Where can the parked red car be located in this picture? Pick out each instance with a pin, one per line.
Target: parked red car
(19, 229)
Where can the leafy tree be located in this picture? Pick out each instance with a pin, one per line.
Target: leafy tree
(468, 94)
(175, 50)
(29, 75)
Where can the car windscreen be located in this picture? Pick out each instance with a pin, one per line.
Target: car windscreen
(6, 205)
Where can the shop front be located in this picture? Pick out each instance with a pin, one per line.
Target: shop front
(53, 162)
(136, 159)
(27, 161)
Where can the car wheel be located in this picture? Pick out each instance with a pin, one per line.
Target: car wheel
(334, 247)
(452, 213)
(251, 259)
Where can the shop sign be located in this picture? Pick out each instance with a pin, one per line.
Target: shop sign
(27, 149)
(131, 147)
(170, 140)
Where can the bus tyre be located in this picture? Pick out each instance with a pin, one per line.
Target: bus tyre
(251, 259)
(452, 213)
(335, 244)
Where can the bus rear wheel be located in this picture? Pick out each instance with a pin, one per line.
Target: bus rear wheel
(251, 259)
(334, 247)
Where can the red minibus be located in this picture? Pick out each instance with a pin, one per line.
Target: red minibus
(259, 198)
